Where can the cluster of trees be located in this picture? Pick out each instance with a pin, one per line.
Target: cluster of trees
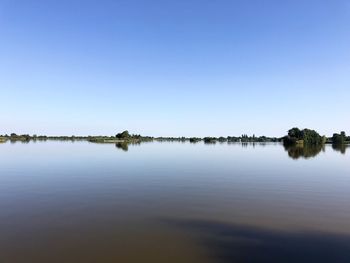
(195, 139)
(176, 139)
(123, 135)
(26, 137)
(13, 137)
(246, 138)
(208, 139)
(305, 137)
(311, 137)
(340, 138)
(126, 136)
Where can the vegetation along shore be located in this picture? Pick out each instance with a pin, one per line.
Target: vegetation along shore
(295, 136)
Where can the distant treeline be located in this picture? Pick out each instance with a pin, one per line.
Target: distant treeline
(295, 136)
(243, 138)
(310, 137)
(27, 137)
(120, 137)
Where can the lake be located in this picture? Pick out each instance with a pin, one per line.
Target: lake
(163, 202)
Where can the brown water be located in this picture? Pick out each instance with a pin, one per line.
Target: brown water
(173, 202)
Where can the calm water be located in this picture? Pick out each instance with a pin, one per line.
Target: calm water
(173, 202)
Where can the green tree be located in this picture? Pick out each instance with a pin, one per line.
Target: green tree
(123, 135)
(311, 137)
(307, 136)
(295, 133)
(339, 138)
(209, 139)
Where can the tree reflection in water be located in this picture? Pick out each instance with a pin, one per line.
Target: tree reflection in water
(122, 145)
(303, 151)
(340, 148)
(125, 145)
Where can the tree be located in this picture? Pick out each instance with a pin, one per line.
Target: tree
(123, 135)
(222, 139)
(295, 133)
(311, 137)
(306, 136)
(194, 139)
(339, 138)
(209, 139)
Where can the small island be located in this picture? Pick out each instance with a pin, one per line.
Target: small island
(303, 137)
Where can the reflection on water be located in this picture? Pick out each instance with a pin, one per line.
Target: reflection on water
(301, 151)
(340, 148)
(173, 202)
(122, 145)
(125, 145)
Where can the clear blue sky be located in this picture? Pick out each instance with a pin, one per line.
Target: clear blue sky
(173, 68)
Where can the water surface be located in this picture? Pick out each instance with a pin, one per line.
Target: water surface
(173, 202)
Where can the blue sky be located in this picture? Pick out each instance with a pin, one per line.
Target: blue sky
(173, 68)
